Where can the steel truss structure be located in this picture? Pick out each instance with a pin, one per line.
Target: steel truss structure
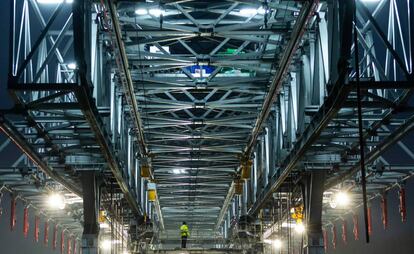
(191, 88)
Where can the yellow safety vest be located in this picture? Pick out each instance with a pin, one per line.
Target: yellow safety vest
(184, 230)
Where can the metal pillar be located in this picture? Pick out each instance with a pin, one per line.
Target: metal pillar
(313, 194)
(91, 198)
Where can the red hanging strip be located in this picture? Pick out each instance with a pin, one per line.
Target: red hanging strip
(74, 246)
(25, 222)
(69, 245)
(1, 208)
(369, 220)
(325, 240)
(62, 241)
(54, 243)
(403, 208)
(13, 213)
(384, 210)
(356, 227)
(36, 228)
(344, 235)
(334, 237)
(46, 235)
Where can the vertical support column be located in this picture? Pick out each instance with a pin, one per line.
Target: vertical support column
(254, 178)
(82, 20)
(91, 201)
(313, 194)
(244, 200)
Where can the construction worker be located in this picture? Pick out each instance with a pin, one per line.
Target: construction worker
(184, 235)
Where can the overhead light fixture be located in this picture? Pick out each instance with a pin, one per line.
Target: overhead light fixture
(156, 12)
(261, 11)
(268, 241)
(277, 243)
(103, 225)
(340, 199)
(248, 12)
(141, 11)
(300, 228)
(54, 1)
(106, 244)
(56, 201)
(178, 171)
(72, 66)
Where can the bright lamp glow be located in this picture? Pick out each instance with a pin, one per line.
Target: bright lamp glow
(56, 201)
(340, 199)
(268, 241)
(300, 228)
(248, 12)
(261, 11)
(103, 225)
(156, 12)
(54, 1)
(106, 244)
(141, 11)
(277, 243)
(125, 252)
(72, 66)
(178, 171)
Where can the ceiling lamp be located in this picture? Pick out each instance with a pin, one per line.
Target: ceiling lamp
(277, 243)
(54, 1)
(300, 228)
(141, 11)
(156, 12)
(340, 199)
(56, 201)
(248, 12)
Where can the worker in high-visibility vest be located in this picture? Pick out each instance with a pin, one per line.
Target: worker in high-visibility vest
(184, 235)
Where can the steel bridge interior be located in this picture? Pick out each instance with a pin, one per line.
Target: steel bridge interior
(112, 95)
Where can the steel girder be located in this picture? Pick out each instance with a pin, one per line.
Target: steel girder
(197, 123)
(62, 119)
(315, 126)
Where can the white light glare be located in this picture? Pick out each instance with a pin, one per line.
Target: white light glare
(56, 201)
(125, 252)
(277, 243)
(141, 11)
(178, 171)
(268, 241)
(261, 11)
(156, 12)
(103, 225)
(72, 66)
(248, 12)
(300, 228)
(342, 199)
(371, 1)
(54, 1)
(106, 244)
